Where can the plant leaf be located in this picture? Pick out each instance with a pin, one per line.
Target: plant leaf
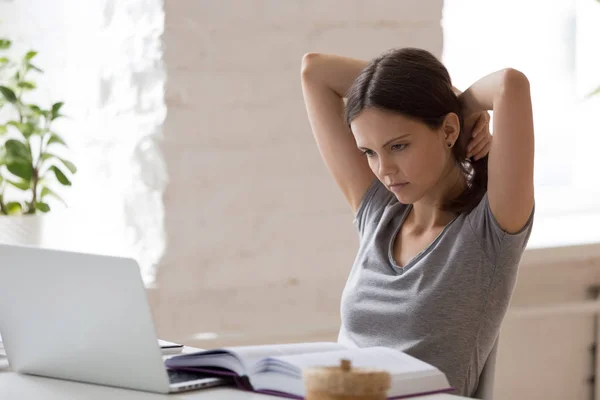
(16, 124)
(8, 94)
(5, 44)
(26, 85)
(14, 208)
(60, 176)
(43, 207)
(70, 166)
(46, 156)
(20, 169)
(595, 92)
(33, 67)
(26, 129)
(35, 112)
(3, 129)
(30, 55)
(47, 192)
(18, 150)
(55, 139)
(4, 60)
(29, 129)
(35, 108)
(55, 110)
(20, 185)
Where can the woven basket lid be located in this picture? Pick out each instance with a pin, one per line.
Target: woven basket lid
(345, 380)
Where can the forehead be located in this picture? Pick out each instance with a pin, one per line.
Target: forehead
(373, 126)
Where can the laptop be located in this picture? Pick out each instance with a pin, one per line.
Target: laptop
(83, 317)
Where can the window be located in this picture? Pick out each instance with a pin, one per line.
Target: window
(104, 60)
(557, 45)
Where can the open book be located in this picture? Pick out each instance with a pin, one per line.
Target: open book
(277, 369)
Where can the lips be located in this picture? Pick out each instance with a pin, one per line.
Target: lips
(397, 186)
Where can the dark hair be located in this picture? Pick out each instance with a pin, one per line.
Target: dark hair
(413, 82)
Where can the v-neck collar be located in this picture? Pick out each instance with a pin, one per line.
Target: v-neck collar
(398, 269)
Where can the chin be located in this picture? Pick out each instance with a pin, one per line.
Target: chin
(410, 196)
(405, 199)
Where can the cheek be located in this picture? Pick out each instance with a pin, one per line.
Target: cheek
(423, 166)
(373, 164)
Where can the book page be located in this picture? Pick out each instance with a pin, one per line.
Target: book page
(409, 375)
(252, 355)
(393, 361)
(243, 359)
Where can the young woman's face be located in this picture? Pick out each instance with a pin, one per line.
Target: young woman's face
(406, 155)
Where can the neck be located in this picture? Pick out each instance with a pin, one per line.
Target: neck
(427, 213)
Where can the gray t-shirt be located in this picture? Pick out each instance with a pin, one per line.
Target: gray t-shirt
(446, 305)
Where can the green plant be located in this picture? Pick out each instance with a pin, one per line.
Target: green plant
(29, 165)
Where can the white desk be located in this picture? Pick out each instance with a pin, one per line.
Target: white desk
(26, 387)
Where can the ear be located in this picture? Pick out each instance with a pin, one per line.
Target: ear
(451, 127)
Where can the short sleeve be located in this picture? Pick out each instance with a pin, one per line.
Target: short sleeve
(500, 246)
(372, 206)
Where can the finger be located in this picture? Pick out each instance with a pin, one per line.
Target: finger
(481, 124)
(474, 142)
(485, 151)
(478, 147)
(477, 139)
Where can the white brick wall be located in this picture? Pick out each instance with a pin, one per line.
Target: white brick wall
(260, 241)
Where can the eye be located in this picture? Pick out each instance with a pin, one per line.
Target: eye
(368, 153)
(398, 147)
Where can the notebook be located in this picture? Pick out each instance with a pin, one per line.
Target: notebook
(277, 369)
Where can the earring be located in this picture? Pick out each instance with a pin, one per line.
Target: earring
(449, 144)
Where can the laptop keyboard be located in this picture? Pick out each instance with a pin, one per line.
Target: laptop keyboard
(185, 376)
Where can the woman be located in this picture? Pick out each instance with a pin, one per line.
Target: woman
(443, 212)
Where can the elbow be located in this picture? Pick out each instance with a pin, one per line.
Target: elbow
(514, 80)
(308, 63)
(513, 84)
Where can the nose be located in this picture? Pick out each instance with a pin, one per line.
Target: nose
(387, 166)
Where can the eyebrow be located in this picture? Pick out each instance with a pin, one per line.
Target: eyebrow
(390, 141)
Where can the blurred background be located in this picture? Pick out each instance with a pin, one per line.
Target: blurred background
(186, 122)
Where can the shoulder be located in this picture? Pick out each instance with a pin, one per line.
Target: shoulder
(375, 203)
(499, 244)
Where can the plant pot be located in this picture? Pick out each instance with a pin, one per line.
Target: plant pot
(21, 230)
